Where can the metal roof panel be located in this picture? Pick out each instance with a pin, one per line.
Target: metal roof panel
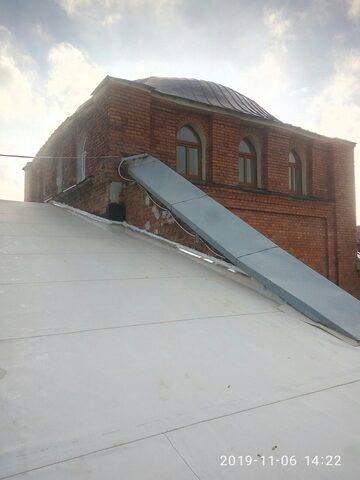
(209, 93)
(299, 285)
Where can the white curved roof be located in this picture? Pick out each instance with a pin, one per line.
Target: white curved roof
(124, 357)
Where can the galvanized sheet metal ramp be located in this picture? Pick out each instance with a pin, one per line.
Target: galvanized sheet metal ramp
(300, 286)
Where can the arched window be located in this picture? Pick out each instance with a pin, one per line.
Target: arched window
(295, 173)
(81, 159)
(188, 153)
(247, 163)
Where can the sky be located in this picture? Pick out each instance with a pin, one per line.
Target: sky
(300, 60)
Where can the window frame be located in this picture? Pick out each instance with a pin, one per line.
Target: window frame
(81, 166)
(253, 157)
(295, 187)
(188, 145)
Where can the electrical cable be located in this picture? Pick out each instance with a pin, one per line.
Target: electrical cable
(51, 157)
(114, 157)
(119, 171)
(150, 197)
(167, 210)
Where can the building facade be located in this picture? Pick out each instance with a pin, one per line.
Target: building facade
(294, 186)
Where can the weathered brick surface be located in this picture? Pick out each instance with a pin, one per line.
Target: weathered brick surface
(345, 229)
(318, 228)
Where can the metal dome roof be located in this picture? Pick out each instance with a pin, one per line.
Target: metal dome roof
(208, 93)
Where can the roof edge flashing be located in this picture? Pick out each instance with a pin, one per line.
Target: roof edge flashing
(222, 267)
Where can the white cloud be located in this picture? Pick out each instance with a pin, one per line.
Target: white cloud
(317, 13)
(354, 9)
(108, 12)
(278, 25)
(267, 82)
(336, 110)
(16, 69)
(32, 107)
(19, 113)
(72, 77)
(41, 32)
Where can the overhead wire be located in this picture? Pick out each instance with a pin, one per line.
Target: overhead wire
(52, 157)
(115, 157)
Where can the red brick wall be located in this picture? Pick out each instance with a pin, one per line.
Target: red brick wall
(129, 120)
(143, 213)
(93, 193)
(319, 229)
(224, 150)
(342, 171)
(319, 178)
(301, 227)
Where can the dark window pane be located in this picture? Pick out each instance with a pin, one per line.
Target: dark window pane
(290, 178)
(245, 147)
(193, 161)
(250, 173)
(180, 159)
(186, 134)
(297, 180)
(241, 170)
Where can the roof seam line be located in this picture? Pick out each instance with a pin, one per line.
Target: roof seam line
(258, 251)
(189, 199)
(47, 282)
(74, 332)
(181, 456)
(90, 252)
(180, 428)
(294, 397)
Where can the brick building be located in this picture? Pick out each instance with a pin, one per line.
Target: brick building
(294, 186)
